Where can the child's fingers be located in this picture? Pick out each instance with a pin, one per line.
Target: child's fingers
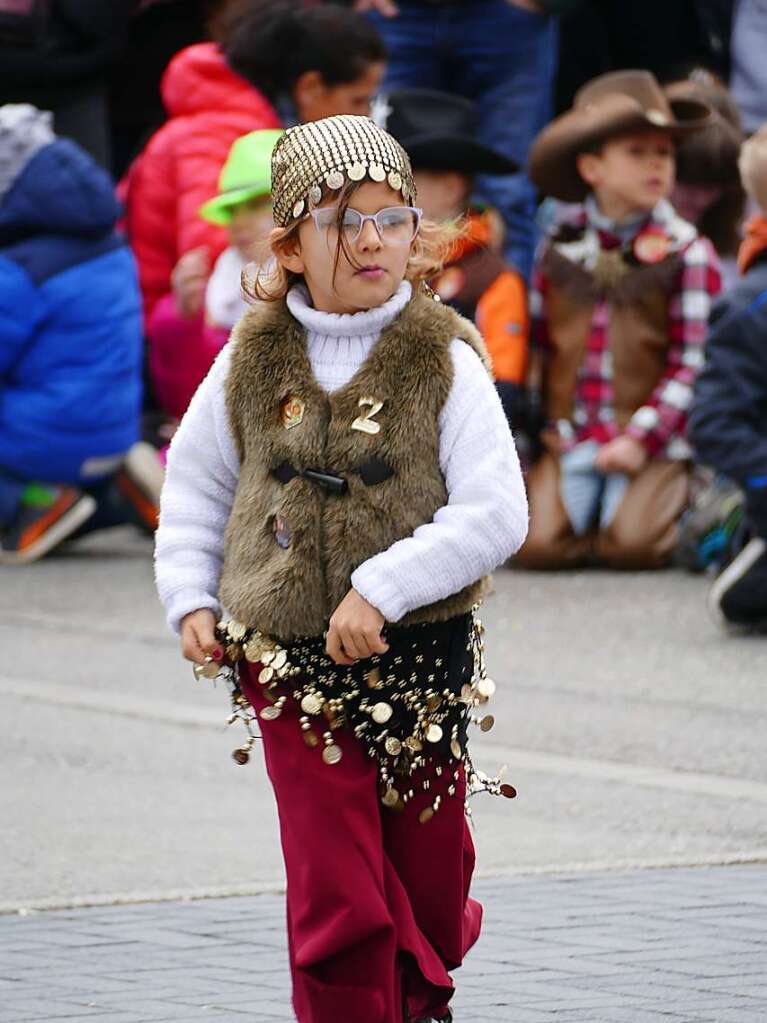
(199, 641)
(376, 643)
(334, 649)
(353, 643)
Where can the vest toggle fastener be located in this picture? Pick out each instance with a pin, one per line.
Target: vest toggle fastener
(372, 472)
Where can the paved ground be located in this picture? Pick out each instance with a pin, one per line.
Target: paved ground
(654, 946)
(633, 729)
(634, 732)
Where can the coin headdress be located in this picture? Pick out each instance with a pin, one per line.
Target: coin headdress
(330, 153)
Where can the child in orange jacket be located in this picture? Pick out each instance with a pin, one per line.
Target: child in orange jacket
(437, 129)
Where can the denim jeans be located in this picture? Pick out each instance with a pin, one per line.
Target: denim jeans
(588, 494)
(504, 59)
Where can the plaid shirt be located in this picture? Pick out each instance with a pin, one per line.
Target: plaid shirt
(661, 422)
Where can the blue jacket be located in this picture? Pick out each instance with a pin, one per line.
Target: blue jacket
(728, 421)
(70, 322)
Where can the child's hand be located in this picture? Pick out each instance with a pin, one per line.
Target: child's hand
(624, 454)
(355, 630)
(189, 280)
(198, 636)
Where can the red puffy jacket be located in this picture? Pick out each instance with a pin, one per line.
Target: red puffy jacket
(209, 106)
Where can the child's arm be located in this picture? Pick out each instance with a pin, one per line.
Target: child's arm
(664, 416)
(727, 424)
(485, 519)
(200, 484)
(20, 313)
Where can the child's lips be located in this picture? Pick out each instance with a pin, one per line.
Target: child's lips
(371, 273)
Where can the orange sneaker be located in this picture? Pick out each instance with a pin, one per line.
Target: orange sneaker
(48, 515)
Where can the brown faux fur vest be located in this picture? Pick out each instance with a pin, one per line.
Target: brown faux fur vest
(292, 590)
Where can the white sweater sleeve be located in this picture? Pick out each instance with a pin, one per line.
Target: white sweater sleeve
(485, 519)
(197, 498)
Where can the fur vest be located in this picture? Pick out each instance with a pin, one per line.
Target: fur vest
(292, 543)
(638, 296)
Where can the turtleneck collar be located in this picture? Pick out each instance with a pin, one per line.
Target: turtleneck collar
(346, 325)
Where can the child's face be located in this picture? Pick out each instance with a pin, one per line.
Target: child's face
(251, 223)
(630, 173)
(444, 195)
(377, 265)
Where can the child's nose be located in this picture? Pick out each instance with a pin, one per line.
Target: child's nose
(369, 236)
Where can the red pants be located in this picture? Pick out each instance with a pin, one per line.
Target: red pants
(377, 903)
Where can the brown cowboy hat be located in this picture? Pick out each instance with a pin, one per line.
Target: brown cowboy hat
(613, 104)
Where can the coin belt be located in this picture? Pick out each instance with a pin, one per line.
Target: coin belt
(407, 718)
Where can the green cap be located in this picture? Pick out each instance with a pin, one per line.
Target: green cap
(245, 175)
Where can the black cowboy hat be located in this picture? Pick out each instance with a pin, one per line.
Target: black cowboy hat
(437, 130)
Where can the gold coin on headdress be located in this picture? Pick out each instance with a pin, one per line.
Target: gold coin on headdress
(335, 180)
(236, 631)
(315, 195)
(373, 678)
(356, 171)
(280, 660)
(434, 733)
(467, 693)
(267, 656)
(393, 746)
(414, 743)
(376, 172)
(395, 180)
(265, 675)
(311, 704)
(332, 754)
(270, 713)
(390, 798)
(381, 713)
(298, 208)
(433, 702)
(455, 749)
(210, 669)
(241, 756)
(487, 722)
(426, 815)
(197, 671)
(486, 687)
(508, 790)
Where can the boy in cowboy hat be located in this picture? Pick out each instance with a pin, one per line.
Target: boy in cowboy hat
(620, 302)
(438, 132)
(728, 422)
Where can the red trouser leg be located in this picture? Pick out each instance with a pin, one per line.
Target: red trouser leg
(376, 900)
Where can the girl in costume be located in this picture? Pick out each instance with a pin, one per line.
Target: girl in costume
(342, 483)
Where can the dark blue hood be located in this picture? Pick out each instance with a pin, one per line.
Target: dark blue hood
(61, 191)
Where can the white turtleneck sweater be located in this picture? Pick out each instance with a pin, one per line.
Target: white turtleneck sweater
(483, 523)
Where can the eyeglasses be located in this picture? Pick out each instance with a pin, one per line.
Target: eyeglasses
(396, 224)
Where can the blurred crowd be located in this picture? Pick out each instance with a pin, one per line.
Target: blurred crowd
(606, 161)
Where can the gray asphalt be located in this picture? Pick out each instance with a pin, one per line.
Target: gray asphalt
(632, 727)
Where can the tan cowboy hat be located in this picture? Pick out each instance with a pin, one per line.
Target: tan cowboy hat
(613, 104)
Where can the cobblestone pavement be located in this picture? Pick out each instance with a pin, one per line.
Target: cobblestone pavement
(668, 946)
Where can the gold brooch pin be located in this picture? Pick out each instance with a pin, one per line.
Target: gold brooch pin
(365, 422)
(292, 410)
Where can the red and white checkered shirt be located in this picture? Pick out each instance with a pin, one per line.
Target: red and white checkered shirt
(662, 420)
